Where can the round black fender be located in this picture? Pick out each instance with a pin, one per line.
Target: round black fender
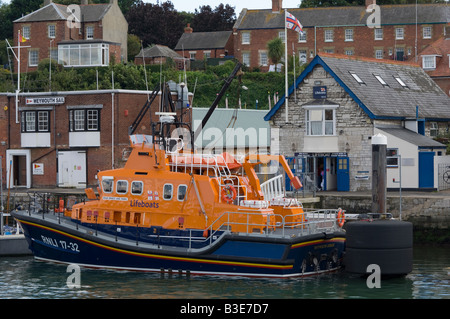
(379, 234)
(386, 243)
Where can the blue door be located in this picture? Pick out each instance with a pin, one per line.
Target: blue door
(343, 176)
(426, 169)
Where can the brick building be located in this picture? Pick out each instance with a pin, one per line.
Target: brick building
(340, 102)
(89, 36)
(205, 45)
(435, 60)
(341, 30)
(63, 138)
(157, 54)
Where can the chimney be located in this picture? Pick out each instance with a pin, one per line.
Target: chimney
(369, 2)
(47, 2)
(277, 5)
(188, 29)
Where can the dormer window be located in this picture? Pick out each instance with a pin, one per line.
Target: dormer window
(429, 62)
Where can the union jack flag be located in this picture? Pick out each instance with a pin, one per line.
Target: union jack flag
(293, 23)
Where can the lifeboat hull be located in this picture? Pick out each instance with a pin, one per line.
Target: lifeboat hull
(254, 255)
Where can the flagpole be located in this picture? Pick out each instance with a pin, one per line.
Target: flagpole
(286, 66)
(18, 79)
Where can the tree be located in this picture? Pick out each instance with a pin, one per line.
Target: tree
(155, 23)
(275, 50)
(134, 46)
(222, 18)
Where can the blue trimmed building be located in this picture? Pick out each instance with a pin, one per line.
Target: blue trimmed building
(339, 102)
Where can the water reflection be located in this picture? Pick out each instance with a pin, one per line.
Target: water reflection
(26, 278)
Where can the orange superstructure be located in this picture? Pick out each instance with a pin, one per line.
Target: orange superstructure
(186, 191)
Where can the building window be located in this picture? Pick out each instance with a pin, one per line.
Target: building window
(282, 36)
(245, 37)
(378, 32)
(33, 58)
(246, 59)
(26, 32)
(302, 36)
(349, 52)
(84, 120)
(392, 157)
(35, 121)
(328, 50)
(206, 54)
(348, 34)
(399, 34)
(426, 32)
(329, 35)
(378, 54)
(95, 54)
(51, 31)
(434, 129)
(89, 33)
(302, 56)
(263, 60)
(320, 122)
(192, 55)
(429, 62)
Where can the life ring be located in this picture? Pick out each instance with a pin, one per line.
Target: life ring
(229, 193)
(340, 218)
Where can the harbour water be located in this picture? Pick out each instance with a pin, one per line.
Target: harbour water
(26, 278)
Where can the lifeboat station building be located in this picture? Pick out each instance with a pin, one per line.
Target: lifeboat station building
(339, 102)
(62, 139)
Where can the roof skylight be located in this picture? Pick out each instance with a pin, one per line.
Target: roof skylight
(357, 78)
(380, 79)
(400, 81)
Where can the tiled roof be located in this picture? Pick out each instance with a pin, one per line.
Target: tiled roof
(159, 51)
(203, 40)
(339, 16)
(389, 101)
(54, 12)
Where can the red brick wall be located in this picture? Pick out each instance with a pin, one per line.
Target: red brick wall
(127, 105)
(363, 44)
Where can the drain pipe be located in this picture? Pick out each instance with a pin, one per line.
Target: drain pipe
(379, 145)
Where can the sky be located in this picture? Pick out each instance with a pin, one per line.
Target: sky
(191, 5)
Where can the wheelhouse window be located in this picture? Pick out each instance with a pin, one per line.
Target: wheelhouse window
(320, 122)
(181, 192)
(137, 187)
(90, 54)
(35, 121)
(107, 184)
(84, 120)
(122, 187)
(168, 191)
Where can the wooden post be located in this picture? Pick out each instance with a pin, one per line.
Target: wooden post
(379, 144)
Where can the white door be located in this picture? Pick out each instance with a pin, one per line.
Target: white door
(72, 169)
